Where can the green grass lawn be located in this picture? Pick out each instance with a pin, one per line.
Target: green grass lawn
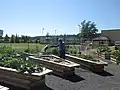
(32, 46)
(24, 46)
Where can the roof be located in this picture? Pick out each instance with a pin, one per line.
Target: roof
(112, 30)
(101, 38)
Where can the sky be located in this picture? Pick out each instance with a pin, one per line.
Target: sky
(29, 17)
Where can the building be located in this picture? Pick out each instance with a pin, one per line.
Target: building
(100, 40)
(112, 35)
(52, 39)
(1, 33)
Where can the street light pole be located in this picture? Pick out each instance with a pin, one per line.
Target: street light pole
(55, 31)
(42, 30)
(79, 37)
(42, 35)
(55, 36)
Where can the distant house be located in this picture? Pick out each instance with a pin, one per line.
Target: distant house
(100, 40)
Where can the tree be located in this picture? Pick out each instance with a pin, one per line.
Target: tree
(6, 39)
(25, 39)
(12, 39)
(88, 30)
(47, 37)
(16, 39)
(36, 41)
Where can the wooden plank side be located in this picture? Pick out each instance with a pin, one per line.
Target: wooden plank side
(19, 75)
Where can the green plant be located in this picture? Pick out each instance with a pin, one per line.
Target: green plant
(117, 56)
(9, 59)
(117, 53)
(102, 49)
(54, 51)
(117, 47)
(4, 49)
(88, 57)
(107, 55)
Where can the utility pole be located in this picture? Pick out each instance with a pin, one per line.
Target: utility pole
(43, 35)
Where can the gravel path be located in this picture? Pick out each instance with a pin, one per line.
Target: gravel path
(85, 80)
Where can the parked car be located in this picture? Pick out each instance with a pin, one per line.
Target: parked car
(117, 44)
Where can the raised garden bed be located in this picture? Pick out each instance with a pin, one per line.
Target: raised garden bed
(13, 77)
(25, 54)
(18, 71)
(59, 66)
(96, 66)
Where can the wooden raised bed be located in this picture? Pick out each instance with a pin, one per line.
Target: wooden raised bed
(61, 67)
(17, 79)
(24, 54)
(88, 64)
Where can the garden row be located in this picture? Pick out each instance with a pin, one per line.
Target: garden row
(27, 70)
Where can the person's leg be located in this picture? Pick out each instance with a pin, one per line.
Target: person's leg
(62, 54)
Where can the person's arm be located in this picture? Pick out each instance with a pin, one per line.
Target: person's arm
(53, 46)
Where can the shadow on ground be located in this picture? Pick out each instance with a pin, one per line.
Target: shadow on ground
(104, 73)
(72, 78)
